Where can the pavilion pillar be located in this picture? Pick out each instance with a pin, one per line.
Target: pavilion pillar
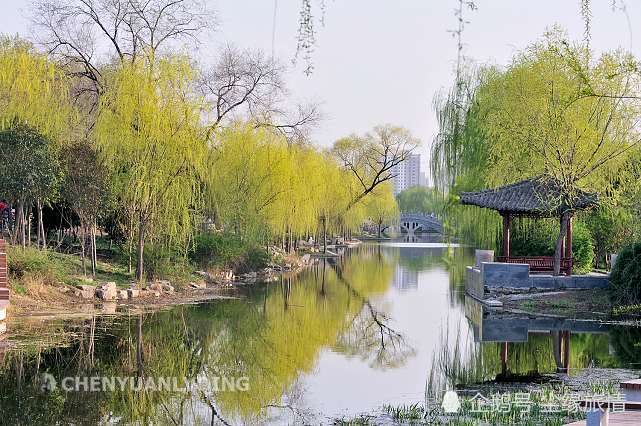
(506, 234)
(568, 245)
(568, 239)
(563, 241)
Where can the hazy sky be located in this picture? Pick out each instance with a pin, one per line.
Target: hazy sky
(382, 61)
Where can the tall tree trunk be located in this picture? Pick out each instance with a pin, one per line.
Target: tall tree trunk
(83, 245)
(41, 240)
(379, 229)
(28, 221)
(130, 260)
(141, 248)
(559, 244)
(20, 226)
(42, 231)
(286, 238)
(38, 223)
(94, 256)
(324, 234)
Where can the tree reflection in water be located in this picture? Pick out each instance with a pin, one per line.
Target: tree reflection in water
(273, 338)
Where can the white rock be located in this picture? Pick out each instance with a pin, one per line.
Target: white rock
(86, 291)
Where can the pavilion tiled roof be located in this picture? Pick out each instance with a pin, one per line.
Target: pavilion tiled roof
(536, 196)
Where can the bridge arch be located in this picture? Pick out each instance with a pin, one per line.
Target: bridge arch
(411, 223)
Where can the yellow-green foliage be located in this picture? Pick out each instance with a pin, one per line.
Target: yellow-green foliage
(381, 205)
(545, 114)
(555, 110)
(148, 134)
(261, 187)
(33, 90)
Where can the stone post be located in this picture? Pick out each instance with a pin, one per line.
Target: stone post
(483, 256)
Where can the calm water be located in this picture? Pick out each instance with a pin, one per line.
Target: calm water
(385, 324)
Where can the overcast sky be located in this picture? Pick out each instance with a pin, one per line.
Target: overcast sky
(382, 61)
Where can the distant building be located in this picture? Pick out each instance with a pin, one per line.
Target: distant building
(407, 174)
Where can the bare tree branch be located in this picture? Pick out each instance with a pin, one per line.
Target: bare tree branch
(247, 84)
(373, 159)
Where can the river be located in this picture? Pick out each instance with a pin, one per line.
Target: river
(386, 323)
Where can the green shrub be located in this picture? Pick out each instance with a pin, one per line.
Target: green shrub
(217, 249)
(224, 250)
(164, 263)
(582, 249)
(255, 258)
(21, 262)
(538, 238)
(19, 288)
(625, 278)
(610, 227)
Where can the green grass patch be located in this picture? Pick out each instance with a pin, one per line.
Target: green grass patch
(53, 268)
(405, 413)
(361, 420)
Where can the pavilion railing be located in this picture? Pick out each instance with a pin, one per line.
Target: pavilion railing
(539, 263)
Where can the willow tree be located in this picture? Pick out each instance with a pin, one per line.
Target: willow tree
(34, 103)
(373, 158)
(149, 137)
(247, 178)
(334, 195)
(262, 188)
(559, 113)
(382, 207)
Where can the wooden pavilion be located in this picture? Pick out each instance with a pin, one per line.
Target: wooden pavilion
(538, 197)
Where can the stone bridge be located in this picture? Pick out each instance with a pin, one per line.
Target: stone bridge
(420, 222)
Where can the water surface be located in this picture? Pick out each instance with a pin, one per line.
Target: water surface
(384, 324)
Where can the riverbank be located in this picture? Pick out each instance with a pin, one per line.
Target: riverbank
(589, 304)
(52, 284)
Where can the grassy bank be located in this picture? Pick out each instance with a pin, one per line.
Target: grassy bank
(40, 279)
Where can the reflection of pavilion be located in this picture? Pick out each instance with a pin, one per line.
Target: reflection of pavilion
(405, 279)
(508, 328)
